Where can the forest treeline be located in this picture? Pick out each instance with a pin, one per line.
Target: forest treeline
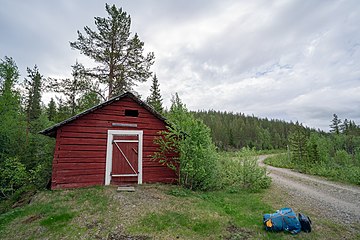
(25, 155)
(231, 131)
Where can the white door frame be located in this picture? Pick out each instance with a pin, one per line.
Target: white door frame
(109, 152)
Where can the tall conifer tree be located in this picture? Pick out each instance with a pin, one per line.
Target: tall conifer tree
(51, 110)
(11, 127)
(33, 86)
(9, 98)
(120, 58)
(155, 99)
(335, 125)
(298, 142)
(72, 88)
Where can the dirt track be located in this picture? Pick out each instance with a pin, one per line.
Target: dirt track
(336, 201)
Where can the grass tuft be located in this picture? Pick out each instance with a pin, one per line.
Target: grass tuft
(57, 221)
(179, 192)
(175, 221)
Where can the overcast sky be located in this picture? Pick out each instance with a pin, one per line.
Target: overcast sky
(290, 60)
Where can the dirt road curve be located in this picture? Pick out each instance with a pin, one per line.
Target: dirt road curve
(337, 201)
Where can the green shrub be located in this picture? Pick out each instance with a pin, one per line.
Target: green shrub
(342, 158)
(317, 148)
(192, 153)
(352, 174)
(13, 176)
(280, 160)
(243, 171)
(40, 176)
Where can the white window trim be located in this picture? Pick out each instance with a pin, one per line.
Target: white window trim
(109, 152)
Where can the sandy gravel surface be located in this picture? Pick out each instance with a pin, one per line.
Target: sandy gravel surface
(337, 201)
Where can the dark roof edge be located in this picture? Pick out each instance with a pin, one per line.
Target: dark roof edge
(52, 130)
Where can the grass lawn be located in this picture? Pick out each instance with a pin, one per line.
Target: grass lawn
(152, 212)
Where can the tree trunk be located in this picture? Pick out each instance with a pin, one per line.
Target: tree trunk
(110, 83)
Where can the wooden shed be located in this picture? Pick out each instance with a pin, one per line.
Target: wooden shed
(111, 143)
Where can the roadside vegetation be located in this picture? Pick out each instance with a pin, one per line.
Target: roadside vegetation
(335, 156)
(332, 169)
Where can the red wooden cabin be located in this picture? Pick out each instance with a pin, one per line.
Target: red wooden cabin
(111, 143)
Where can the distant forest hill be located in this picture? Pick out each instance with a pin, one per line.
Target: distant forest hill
(236, 130)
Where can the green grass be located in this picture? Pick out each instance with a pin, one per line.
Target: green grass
(270, 151)
(280, 160)
(58, 220)
(53, 213)
(235, 153)
(209, 215)
(169, 220)
(242, 208)
(155, 211)
(180, 192)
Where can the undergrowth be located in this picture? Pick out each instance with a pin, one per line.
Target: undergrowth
(240, 170)
(330, 169)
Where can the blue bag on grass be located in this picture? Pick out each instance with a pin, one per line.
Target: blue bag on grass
(283, 220)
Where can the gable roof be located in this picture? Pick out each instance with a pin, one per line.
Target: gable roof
(51, 131)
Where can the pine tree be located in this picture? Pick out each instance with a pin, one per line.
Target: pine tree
(51, 110)
(335, 125)
(313, 148)
(344, 127)
(88, 100)
(11, 127)
(9, 98)
(73, 88)
(353, 128)
(231, 138)
(298, 142)
(155, 99)
(63, 112)
(120, 58)
(33, 85)
(9, 74)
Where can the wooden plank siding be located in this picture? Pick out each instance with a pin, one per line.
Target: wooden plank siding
(80, 151)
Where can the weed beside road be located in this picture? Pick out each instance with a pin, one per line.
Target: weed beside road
(348, 172)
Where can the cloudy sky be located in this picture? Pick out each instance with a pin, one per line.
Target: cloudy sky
(290, 60)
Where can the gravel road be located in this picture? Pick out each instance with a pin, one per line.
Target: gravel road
(337, 201)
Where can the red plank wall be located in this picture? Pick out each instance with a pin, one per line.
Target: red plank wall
(80, 151)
